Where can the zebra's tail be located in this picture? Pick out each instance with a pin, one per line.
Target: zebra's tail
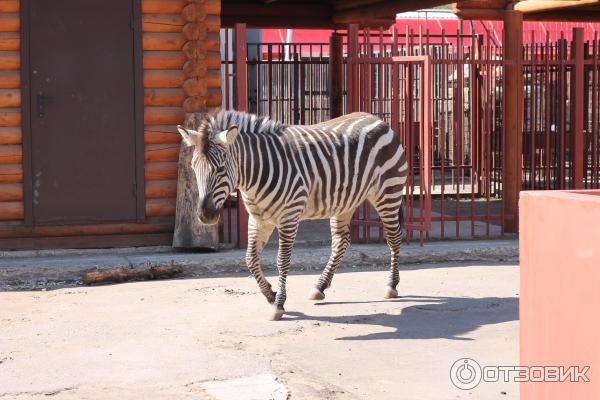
(401, 221)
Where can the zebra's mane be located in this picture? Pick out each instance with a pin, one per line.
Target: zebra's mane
(246, 122)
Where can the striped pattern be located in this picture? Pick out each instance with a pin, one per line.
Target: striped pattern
(290, 173)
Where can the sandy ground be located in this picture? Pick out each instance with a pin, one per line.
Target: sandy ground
(166, 339)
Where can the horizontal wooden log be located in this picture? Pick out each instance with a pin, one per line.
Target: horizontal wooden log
(195, 87)
(194, 104)
(160, 207)
(122, 274)
(10, 22)
(10, 59)
(194, 68)
(213, 23)
(9, 6)
(81, 230)
(159, 171)
(161, 152)
(11, 154)
(11, 192)
(11, 173)
(162, 41)
(194, 31)
(164, 97)
(161, 137)
(11, 210)
(10, 117)
(163, 6)
(163, 60)
(163, 78)
(163, 115)
(10, 79)
(213, 60)
(162, 22)
(161, 189)
(10, 135)
(193, 12)
(213, 79)
(213, 98)
(212, 7)
(9, 41)
(10, 98)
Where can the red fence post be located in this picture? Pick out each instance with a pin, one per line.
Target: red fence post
(336, 65)
(577, 110)
(513, 120)
(241, 104)
(352, 71)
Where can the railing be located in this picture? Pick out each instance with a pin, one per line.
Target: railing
(465, 83)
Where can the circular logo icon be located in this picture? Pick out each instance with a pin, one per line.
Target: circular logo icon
(465, 373)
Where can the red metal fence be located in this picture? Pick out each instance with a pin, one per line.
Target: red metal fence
(443, 94)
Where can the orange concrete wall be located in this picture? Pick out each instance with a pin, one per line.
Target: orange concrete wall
(560, 289)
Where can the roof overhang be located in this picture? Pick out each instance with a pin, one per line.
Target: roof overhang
(317, 13)
(533, 10)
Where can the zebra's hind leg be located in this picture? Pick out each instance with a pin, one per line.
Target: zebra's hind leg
(287, 235)
(391, 215)
(340, 239)
(258, 235)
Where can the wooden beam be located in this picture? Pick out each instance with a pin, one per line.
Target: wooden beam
(565, 16)
(536, 6)
(513, 121)
(382, 9)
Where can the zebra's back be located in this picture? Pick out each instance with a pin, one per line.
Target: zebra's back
(345, 161)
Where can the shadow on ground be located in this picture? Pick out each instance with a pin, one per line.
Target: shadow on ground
(433, 318)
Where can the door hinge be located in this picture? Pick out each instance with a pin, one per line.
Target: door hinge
(131, 24)
(134, 189)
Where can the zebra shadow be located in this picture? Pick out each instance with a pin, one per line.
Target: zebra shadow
(432, 318)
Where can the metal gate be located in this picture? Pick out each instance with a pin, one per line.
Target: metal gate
(397, 90)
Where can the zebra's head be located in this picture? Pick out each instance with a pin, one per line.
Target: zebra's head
(214, 167)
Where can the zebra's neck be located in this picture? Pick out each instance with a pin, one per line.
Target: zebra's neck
(253, 133)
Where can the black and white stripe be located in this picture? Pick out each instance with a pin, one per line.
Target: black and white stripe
(290, 173)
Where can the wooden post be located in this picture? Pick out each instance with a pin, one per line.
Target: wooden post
(577, 110)
(513, 119)
(241, 104)
(336, 86)
(189, 231)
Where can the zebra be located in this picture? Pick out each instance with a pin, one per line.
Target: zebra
(288, 173)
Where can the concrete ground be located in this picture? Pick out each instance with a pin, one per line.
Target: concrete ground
(194, 338)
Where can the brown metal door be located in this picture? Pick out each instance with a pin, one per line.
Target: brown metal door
(82, 114)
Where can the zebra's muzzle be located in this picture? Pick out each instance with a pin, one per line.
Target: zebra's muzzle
(207, 211)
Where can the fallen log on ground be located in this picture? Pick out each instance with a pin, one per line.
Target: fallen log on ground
(122, 274)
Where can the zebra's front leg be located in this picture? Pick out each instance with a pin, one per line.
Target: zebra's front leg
(287, 236)
(258, 235)
(340, 239)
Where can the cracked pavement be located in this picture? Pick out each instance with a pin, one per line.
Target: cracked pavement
(166, 339)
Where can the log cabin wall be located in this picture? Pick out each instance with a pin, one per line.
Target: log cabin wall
(181, 63)
(11, 170)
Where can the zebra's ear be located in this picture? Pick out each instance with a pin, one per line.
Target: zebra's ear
(188, 135)
(227, 137)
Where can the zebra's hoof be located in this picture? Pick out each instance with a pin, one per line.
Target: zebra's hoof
(277, 314)
(316, 294)
(390, 293)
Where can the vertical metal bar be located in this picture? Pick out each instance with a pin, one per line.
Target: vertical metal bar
(578, 109)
